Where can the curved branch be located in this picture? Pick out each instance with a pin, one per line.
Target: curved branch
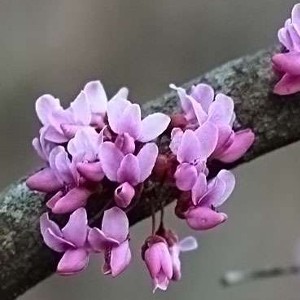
(25, 261)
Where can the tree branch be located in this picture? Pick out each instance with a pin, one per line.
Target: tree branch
(25, 261)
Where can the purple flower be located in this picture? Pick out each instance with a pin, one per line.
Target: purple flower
(84, 149)
(200, 106)
(129, 168)
(289, 35)
(71, 240)
(288, 65)
(192, 149)
(159, 263)
(125, 118)
(112, 239)
(206, 197)
(88, 108)
(62, 177)
(187, 244)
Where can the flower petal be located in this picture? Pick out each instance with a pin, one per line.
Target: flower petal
(75, 198)
(204, 218)
(189, 243)
(287, 85)
(99, 241)
(45, 106)
(189, 149)
(186, 176)
(129, 170)
(176, 136)
(115, 224)
(77, 227)
(115, 110)
(96, 96)
(91, 171)
(221, 110)
(44, 181)
(130, 121)
(242, 141)
(110, 158)
(203, 94)
(207, 135)
(229, 180)
(287, 62)
(120, 258)
(73, 261)
(146, 159)
(153, 126)
(124, 194)
(80, 109)
(199, 188)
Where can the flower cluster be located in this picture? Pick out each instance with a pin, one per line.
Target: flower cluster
(98, 145)
(287, 64)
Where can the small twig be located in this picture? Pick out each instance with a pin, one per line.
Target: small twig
(231, 278)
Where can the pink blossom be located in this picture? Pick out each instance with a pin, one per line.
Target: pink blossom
(201, 106)
(112, 239)
(131, 169)
(84, 149)
(125, 118)
(287, 64)
(206, 197)
(289, 35)
(88, 108)
(71, 240)
(159, 263)
(192, 149)
(61, 177)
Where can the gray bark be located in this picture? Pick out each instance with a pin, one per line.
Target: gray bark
(25, 261)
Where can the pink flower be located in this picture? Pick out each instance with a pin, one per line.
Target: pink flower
(88, 108)
(192, 149)
(200, 107)
(289, 35)
(130, 169)
(206, 197)
(187, 244)
(84, 149)
(159, 262)
(125, 118)
(71, 240)
(112, 239)
(61, 177)
(287, 64)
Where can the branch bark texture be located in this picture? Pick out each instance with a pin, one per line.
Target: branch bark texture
(25, 261)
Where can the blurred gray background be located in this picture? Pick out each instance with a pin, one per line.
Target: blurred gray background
(57, 46)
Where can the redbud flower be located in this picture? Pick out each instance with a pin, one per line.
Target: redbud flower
(193, 149)
(125, 117)
(206, 197)
(71, 240)
(159, 262)
(112, 239)
(62, 124)
(287, 64)
(129, 168)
